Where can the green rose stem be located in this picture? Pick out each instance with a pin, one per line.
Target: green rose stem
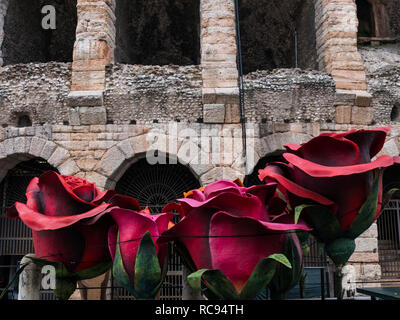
(340, 252)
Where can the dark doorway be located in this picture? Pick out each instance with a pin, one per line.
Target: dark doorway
(26, 41)
(365, 15)
(158, 32)
(277, 34)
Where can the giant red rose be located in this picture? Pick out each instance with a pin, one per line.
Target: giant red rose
(336, 171)
(69, 224)
(140, 261)
(229, 231)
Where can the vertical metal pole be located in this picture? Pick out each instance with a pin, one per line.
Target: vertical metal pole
(398, 226)
(112, 283)
(241, 85)
(296, 48)
(322, 271)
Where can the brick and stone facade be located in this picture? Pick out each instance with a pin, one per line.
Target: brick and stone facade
(93, 116)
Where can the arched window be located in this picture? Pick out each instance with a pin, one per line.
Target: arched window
(25, 39)
(158, 32)
(155, 186)
(277, 34)
(395, 114)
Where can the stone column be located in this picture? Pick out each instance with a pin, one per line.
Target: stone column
(29, 281)
(93, 50)
(218, 60)
(336, 37)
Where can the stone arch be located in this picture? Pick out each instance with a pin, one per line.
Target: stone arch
(272, 144)
(121, 156)
(18, 149)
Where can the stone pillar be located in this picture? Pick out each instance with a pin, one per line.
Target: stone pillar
(29, 281)
(93, 50)
(218, 60)
(336, 37)
(365, 259)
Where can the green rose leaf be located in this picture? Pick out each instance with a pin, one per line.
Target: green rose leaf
(95, 271)
(367, 213)
(119, 271)
(214, 280)
(147, 269)
(326, 226)
(61, 270)
(65, 287)
(287, 278)
(259, 279)
(340, 250)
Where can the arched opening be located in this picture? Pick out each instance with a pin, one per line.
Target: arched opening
(15, 237)
(277, 34)
(158, 32)
(389, 227)
(155, 186)
(395, 114)
(24, 121)
(366, 21)
(25, 39)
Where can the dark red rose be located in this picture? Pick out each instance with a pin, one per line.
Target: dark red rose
(68, 219)
(228, 227)
(336, 172)
(333, 169)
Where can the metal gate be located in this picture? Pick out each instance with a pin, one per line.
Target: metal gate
(389, 240)
(155, 186)
(15, 237)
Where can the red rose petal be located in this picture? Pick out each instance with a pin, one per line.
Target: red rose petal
(238, 244)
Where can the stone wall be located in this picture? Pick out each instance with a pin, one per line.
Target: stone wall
(365, 259)
(393, 11)
(144, 94)
(93, 118)
(38, 90)
(289, 95)
(382, 66)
